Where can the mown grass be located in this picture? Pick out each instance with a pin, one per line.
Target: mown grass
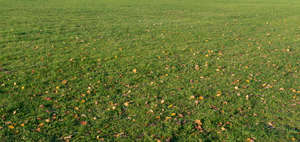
(149, 70)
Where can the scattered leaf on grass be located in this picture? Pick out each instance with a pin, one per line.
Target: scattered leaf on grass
(198, 122)
(126, 104)
(11, 127)
(83, 123)
(201, 98)
(197, 67)
(219, 93)
(64, 82)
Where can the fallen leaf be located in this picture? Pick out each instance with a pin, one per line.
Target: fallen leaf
(41, 124)
(38, 129)
(223, 129)
(250, 140)
(67, 137)
(219, 93)
(201, 98)
(88, 92)
(83, 122)
(64, 82)
(47, 120)
(126, 104)
(198, 122)
(11, 127)
(167, 118)
(134, 70)
(197, 67)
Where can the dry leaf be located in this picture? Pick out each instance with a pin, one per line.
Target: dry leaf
(83, 122)
(38, 129)
(126, 104)
(67, 137)
(64, 82)
(11, 127)
(219, 93)
(197, 67)
(198, 122)
(201, 98)
(47, 120)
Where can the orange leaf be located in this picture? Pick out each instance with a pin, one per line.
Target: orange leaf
(64, 82)
(11, 127)
(83, 122)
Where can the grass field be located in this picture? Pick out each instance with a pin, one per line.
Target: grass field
(150, 70)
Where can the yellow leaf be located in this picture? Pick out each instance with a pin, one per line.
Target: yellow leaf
(41, 124)
(219, 93)
(11, 127)
(201, 98)
(198, 122)
(64, 82)
(192, 97)
(223, 129)
(197, 67)
(167, 118)
(88, 92)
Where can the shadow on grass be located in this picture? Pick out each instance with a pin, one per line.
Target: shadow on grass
(1, 91)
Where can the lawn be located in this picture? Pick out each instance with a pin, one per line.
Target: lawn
(150, 70)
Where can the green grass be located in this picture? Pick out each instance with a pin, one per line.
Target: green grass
(67, 70)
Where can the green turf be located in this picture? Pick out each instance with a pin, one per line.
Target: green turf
(149, 70)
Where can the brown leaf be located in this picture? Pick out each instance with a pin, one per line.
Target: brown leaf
(250, 139)
(67, 137)
(38, 129)
(83, 122)
(198, 122)
(64, 82)
(11, 127)
(134, 71)
(126, 104)
(197, 67)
